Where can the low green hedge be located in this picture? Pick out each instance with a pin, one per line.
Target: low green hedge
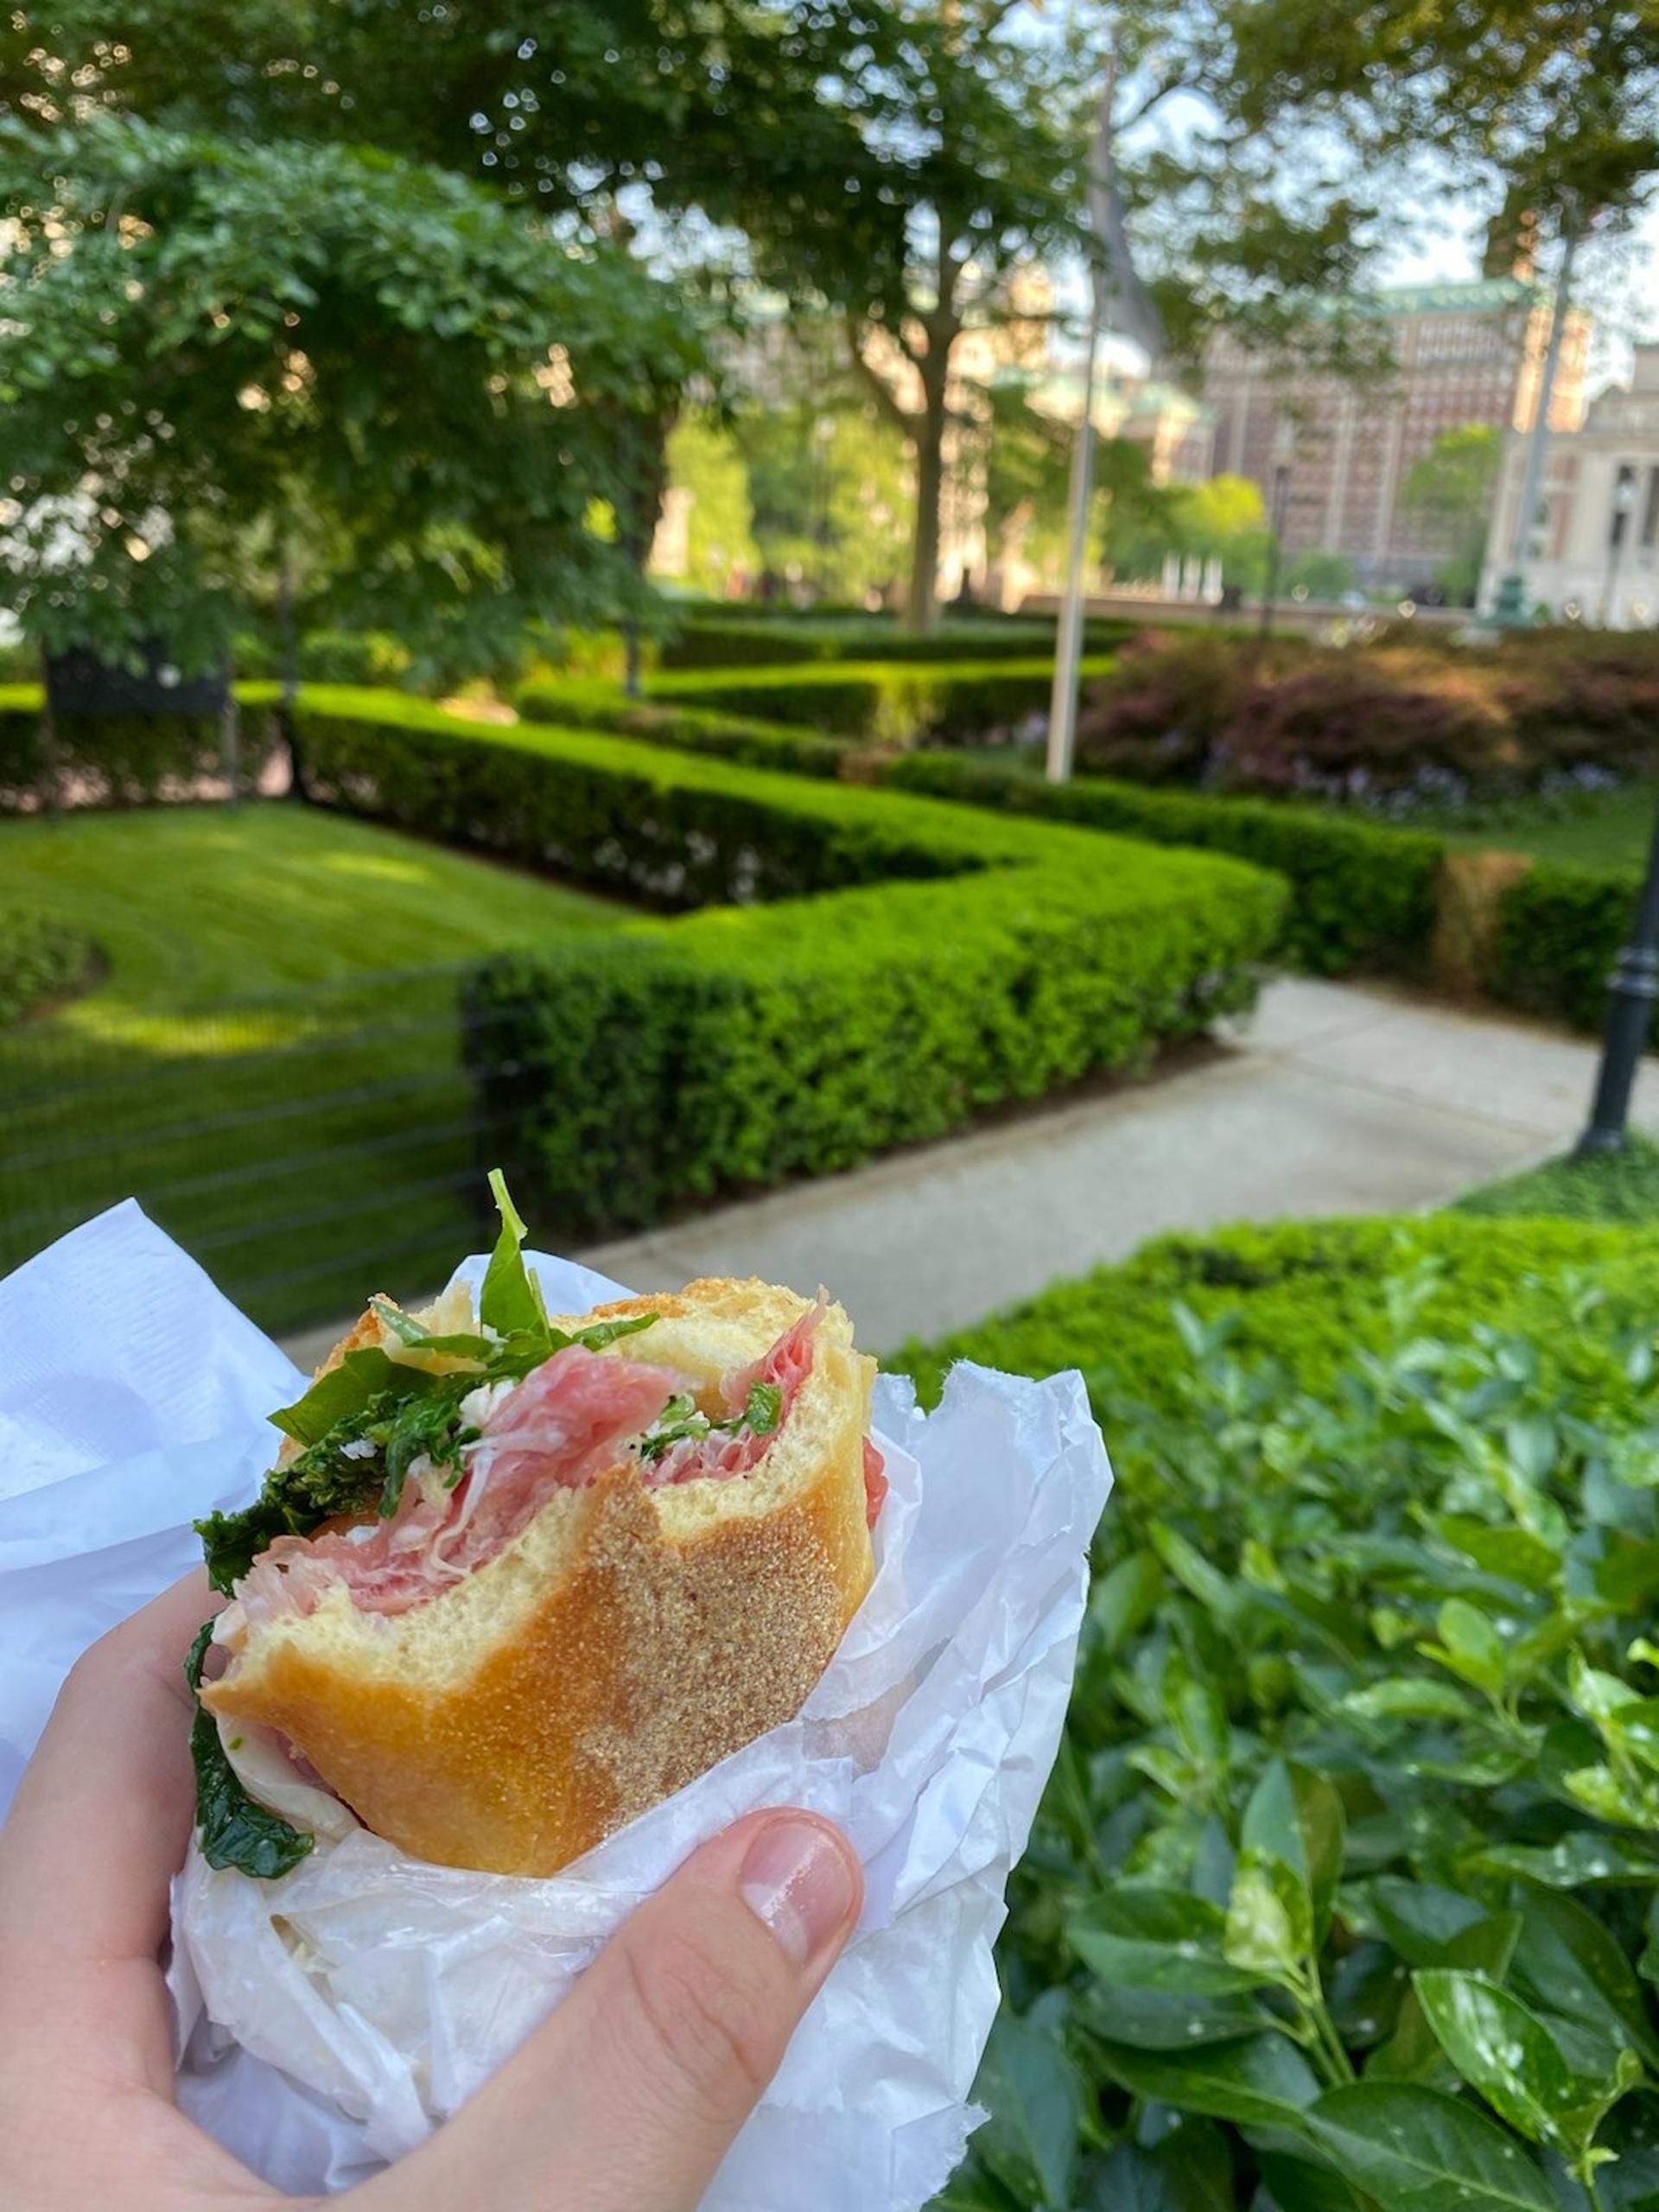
(115, 759)
(1364, 896)
(577, 705)
(1560, 930)
(774, 641)
(923, 964)
(41, 959)
(1302, 1293)
(1348, 1866)
(876, 701)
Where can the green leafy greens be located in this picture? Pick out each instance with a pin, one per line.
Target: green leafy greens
(232, 1830)
(399, 1411)
(681, 1420)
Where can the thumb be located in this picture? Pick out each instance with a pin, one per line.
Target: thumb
(628, 2098)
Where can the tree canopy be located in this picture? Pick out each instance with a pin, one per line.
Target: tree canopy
(215, 352)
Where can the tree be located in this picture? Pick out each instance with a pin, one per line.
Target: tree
(1027, 459)
(1450, 492)
(220, 358)
(832, 494)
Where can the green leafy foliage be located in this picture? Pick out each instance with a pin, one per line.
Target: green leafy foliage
(962, 962)
(41, 959)
(888, 704)
(1364, 895)
(120, 759)
(332, 350)
(231, 1830)
(744, 640)
(1349, 1849)
(689, 729)
(1559, 933)
(364, 1421)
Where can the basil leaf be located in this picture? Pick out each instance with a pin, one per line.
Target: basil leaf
(347, 1389)
(231, 1828)
(511, 1299)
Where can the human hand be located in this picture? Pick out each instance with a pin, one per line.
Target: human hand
(625, 2101)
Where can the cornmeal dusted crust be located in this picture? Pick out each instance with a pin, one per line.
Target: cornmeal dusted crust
(627, 1640)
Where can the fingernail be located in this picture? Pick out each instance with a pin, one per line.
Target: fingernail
(795, 1877)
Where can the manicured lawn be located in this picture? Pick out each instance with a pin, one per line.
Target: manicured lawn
(1609, 830)
(1611, 1186)
(271, 1061)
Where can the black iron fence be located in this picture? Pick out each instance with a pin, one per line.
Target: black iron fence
(307, 1148)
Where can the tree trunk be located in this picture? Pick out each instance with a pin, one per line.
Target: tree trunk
(922, 607)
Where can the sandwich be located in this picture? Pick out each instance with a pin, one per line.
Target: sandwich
(516, 1577)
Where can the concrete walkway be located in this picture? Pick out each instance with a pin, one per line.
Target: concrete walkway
(1331, 1099)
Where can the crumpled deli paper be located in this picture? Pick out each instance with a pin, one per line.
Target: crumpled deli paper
(328, 2020)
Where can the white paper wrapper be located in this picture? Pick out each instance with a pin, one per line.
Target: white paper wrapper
(132, 1400)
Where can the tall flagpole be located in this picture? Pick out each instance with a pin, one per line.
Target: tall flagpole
(1068, 643)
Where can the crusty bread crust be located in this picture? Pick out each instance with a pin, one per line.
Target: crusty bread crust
(669, 1628)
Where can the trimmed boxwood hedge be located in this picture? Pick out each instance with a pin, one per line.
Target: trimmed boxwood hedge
(1304, 1294)
(877, 701)
(576, 705)
(115, 759)
(40, 959)
(773, 641)
(1560, 930)
(927, 962)
(1364, 895)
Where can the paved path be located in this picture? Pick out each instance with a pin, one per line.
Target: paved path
(1331, 1099)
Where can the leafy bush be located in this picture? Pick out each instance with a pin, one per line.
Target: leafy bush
(115, 759)
(744, 641)
(1391, 724)
(1622, 1185)
(960, 963)
(880, 702)
(41, 959)
(1363, 895)
(1339, 1893)
(728, 737)
(1558, 931)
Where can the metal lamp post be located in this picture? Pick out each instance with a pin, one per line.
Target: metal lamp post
(1284, 454)
(1634, 986)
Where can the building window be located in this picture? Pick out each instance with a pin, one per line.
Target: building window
(1651, 511)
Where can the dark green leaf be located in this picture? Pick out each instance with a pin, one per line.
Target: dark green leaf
(1414, 2150)
(1516, 1554)
(1158, 2020)
(1160, 1940)
(231, 1828)
(1297, 2185)
(1030, 2087)
(1124, 1599)
(1259, 2082)
(347, 1389)
(1568, 1961)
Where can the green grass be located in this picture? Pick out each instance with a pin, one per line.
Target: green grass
(1609, 831)
(1608, 1186)
(244, 1045)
